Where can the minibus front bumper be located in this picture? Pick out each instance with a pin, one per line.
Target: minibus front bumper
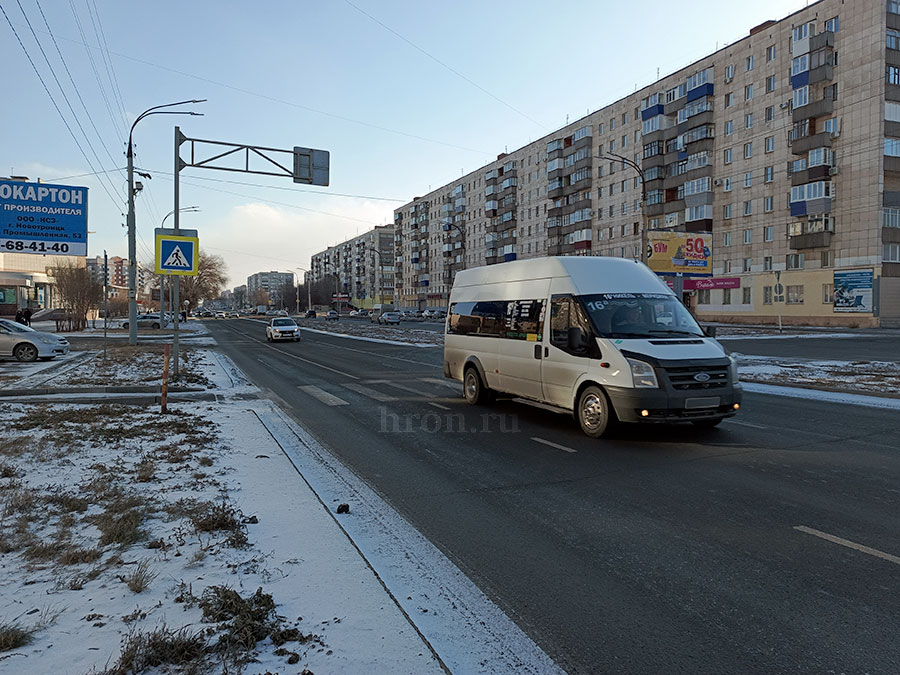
(666, 405)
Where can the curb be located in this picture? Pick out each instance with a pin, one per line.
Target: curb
(820, 387)
(110, 389)
(127, 400)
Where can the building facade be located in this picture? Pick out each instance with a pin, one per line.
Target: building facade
(781, 152)
(270, 282)
(361, 268)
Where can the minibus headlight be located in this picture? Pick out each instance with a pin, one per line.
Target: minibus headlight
(733, 368)
(643, 374)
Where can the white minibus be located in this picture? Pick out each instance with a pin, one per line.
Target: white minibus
(601, 337)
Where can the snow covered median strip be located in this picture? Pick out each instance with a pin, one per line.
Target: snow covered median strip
(820, 395)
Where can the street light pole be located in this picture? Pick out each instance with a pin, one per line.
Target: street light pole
(634, 165)
(132, 239)
(308, 289)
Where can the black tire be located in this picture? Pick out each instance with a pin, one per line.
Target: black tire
(594, 413)
(268, 337)
(475, 390)
(26, 352)
(707, 424)
(156, 326)
(125, 325)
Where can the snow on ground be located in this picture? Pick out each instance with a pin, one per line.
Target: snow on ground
(211, 534)
(867, 377)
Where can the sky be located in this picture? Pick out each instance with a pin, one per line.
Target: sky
(405, 96)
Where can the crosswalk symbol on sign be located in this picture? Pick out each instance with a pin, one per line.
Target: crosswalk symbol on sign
(176, 253)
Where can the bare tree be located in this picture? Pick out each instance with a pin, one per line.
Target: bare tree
(209, 282)
(78, 293)
(259, 296)
(240, 296)
(288, 296)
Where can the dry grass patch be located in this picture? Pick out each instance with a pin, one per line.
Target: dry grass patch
(13, 636)
(162, 647)
(215, 517)
(145, 470)
(20, 502)
(140, 578)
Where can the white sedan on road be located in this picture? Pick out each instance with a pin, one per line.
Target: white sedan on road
(27, 344)
(282, 328)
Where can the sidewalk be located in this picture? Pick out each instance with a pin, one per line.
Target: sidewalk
(355, 591)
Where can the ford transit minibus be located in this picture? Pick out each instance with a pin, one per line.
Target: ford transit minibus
(601, 337)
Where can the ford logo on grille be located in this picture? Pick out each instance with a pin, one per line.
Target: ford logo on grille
(702, 377)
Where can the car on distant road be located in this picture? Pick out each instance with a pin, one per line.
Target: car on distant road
(220, 315)
(390, 318)
(26, 344)
(234, 315)
(310, 314)
(148, 321)
(332, 315)
(282, 328)
(363, 313)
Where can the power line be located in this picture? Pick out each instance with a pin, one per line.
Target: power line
(107, 62)
(53, 101)
(444, 65)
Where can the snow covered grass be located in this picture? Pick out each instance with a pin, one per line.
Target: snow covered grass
(872, 377)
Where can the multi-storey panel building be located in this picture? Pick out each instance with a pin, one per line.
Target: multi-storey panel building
(361, 268)
(781, 151)
(270, 282)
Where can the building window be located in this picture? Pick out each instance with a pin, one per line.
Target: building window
(769, 173)
(748, 92)
(770, 144)
(729, 125)
(726, 184)
(727, 268)
(748, 236)
(795, 295)
(726, 239)
(770, 113)
(891, 253)
(748, 63)
(893, 39)
(767, 263)
(770, 84)
(769, 233)
(748, 121)
(769, 204)
(726, 211)
(727, 154)
(827, 258)
(726, 296)
(892, 147)
(729, 99)
(767, 295)
(748, 150)
(703, 296)
(747, 264)
(770, 53)
(794, 261)
(748, 208)
(746, 299)
(832, 24)
(893, 6)
(827, 294)
(801, 96)
(893, 75)
(748, 179)
(729, 73)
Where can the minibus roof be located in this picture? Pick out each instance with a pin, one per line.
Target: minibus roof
(587, 274)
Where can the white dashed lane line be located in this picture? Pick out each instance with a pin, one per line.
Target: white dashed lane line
(553, 445)
(322, 395)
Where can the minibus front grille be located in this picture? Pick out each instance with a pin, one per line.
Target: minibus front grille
(684, 378)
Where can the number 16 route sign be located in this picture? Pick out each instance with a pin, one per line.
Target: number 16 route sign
(177, 254)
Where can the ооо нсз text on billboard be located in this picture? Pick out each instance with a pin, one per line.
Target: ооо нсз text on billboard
(42, 218)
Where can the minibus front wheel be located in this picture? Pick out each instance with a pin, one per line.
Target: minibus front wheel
(594, 413)
(474, 388)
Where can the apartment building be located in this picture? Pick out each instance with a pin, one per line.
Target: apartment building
(362, 268)
(270, 282)
(780, 153)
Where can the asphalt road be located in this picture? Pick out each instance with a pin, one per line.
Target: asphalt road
(768, 545)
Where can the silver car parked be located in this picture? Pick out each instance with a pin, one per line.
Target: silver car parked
(26, 344)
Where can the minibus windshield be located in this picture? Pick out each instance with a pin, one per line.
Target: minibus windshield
(639, 315)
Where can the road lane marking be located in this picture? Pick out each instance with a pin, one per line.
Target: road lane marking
(553, 445)
(382, 356)
(294, 356)
(433, 380)
(365, 391)
(747, 424)
(322, 395)
(438, 405)
(849, 544)
(411, 390)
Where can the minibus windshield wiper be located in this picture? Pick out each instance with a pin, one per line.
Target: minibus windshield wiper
(673, 332)
(642, 336)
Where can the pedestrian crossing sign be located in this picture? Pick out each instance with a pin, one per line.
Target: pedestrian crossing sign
(177, 254)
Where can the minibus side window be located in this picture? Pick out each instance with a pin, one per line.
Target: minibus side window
(565, 313)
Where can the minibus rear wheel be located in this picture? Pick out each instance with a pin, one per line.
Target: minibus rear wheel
(474, 388)
(594, 412)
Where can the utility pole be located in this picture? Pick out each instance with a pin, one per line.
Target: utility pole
(634, 165)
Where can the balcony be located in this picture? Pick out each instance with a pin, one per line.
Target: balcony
(820, 108)
(810, 240)
(802, 145)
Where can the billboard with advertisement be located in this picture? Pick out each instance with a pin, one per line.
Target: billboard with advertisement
(42, 218)
(688, 253)
(853, 290)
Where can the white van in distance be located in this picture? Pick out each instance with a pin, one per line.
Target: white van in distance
(602, 337)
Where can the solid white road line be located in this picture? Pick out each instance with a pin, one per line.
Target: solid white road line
(322, 395)
(553, 445)
(405, 388)
(849, 544)
(365, 391)
(438, 405)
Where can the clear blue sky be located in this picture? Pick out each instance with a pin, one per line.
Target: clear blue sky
(405, 95)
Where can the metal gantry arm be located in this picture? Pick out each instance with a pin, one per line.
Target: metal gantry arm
(634, 165)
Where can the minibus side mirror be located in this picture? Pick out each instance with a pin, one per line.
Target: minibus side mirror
(710, 331)
(577, 340)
